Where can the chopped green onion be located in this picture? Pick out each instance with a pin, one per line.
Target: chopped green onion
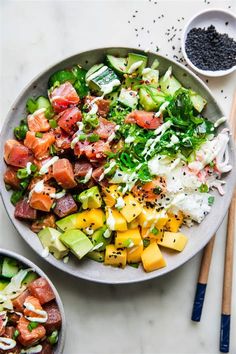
(82, 137)
(134, 265)
(22, 173)
(90, 120)
(38, 135)
(33, 167)
(32, 325)
(21, 130)
(31, 105)
(93, 138)
(53, 123)
(157, 190)
(211, 200)
(24, 184)
(203, 188)
(52, 150)
(16, 197)
(212, 164)
(53, 338)
(155, 231)
(146, 242)
(16, 334)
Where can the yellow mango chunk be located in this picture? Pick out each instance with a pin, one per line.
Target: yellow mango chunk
(133, 224)
(174, 222)
(110, 195)
(115, 257)
(173, 240)
(93, 219)
(155, 235)
(134, 253)
(152, 258)
(115, 221)
(132, 208)
(128, 238)
(150, 217)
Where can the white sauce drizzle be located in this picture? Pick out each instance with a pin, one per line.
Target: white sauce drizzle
(220, 121)
(42, 313)
(162, 108)
(135, 66)
(45, 167)
(88, 175)
(45, 252)
(120, 203)
(107, 170)
(58, 195)
(107, 233)
(110, 220)
(97, 73)
(97, 246)
(33, 350)
(38, 188)
(7, 343)
(28, 168)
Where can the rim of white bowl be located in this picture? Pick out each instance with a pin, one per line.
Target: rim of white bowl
(209, 73)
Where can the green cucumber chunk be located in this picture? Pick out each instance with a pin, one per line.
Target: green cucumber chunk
(77, 242)
(60, 77)
(31, 276)
(198, 101)
(119, 65)
(168, 83)
(92, 70)
(151, 99)
(128, 98)
(103, 81)
(152, 76)
(10, 267)
(135, 59)
(3, 283)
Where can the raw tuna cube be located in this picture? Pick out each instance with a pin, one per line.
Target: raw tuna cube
(65, 206)
(42, 290)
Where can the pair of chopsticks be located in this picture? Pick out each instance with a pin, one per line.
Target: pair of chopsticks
(228, 265)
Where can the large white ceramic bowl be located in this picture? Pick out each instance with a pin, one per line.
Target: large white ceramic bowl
(198, 235)
(224, 22)
(27, 263)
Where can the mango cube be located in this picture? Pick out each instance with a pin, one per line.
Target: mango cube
(173, 240)
(134, 253)
(115, 220)
(128, 238)
(174, 222)
(115, 257)
(152, 258)
(110, 195)
(132, 208)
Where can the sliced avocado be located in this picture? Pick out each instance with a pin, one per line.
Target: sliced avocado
(49, 237)
(134, 58)
(152, 76)
(77, 242)
(151, 99)
(31, 276)
(10, 267)
(3, 283)
(67, 223)
(96, 256)
(98, 238)
(90, 198)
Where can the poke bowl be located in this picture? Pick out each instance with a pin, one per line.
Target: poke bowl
(32, 318)
(123, 158)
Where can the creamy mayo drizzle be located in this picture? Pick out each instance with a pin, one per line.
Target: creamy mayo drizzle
(43, 313)
(45, 167)
(7, 343)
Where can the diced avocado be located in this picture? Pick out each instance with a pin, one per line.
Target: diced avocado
(49, 237)
(98, 238)
(10, 267)
(128, 98)
(152, 76)
(77, 242)
(96, 256)
(67, 223)
(103, 81)
(31, 276)
(90, 198)
(133, 61)
(169, 84)
(198, 101)
(3, 283)
(151, 99)
(117, 64)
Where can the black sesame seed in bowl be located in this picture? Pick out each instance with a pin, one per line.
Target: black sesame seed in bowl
(209, 43)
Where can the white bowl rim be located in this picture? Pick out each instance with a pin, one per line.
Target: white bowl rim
(207, 73)
(39, 271)
(150, 275)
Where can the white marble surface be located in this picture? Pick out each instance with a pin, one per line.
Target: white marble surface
(148, 318)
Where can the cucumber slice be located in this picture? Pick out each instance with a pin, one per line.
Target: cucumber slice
(169, 84)
(103, 81)
(43, 102)
(61, 76)
(31, 276)
(133, 61)
(198, 101)
(128, 98)
(92, 70)
(155, 64)
(3, 283)
(151, 99)
(10, 267)
(96, 256)
(152, 76)
(132, 83)
(117, 64)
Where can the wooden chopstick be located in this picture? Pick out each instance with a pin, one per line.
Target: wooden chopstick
(228, 267)
(208, 250)
(202, 281)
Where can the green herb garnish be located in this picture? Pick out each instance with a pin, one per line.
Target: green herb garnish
(53, 338)
(32, 325)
